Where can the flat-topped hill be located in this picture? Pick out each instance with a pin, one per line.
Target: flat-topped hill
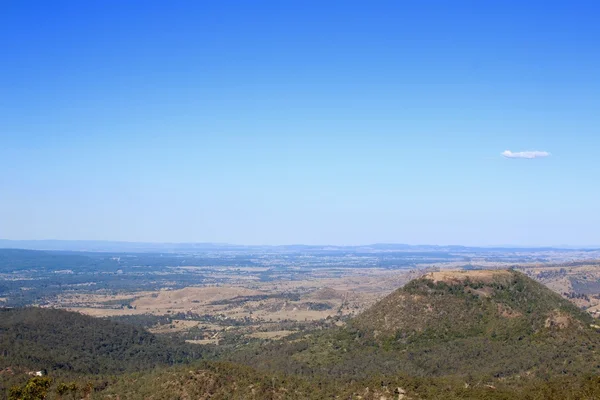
(471, 303)
(469, 323)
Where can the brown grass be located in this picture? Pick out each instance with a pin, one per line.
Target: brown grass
(484, 276)
(271, 335)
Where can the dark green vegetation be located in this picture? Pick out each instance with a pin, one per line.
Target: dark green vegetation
(34, 277)
(474, 335)
(226, 381)
(57, 340)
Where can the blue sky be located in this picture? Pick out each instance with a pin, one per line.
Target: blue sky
(277, 122)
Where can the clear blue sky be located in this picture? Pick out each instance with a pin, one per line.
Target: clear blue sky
(340, 122)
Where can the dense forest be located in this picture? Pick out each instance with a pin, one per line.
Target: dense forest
(57, 340)
(229, 381)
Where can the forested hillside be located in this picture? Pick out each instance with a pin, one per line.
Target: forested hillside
(48, 339)
(477, 326)
(227, 381)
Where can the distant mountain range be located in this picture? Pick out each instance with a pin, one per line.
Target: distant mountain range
(150, 247)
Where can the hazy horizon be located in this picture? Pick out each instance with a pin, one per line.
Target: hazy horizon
(4, 241)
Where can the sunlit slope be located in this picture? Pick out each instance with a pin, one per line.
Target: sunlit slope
(487, 324)
(459, 304)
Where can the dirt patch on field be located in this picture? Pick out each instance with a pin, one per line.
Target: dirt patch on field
(485, 291)
(106, 312)
(175, 326)
(271, 335)
(203, 341)
(189, 298)
(328, 294)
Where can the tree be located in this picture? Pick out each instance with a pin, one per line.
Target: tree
(35, 389)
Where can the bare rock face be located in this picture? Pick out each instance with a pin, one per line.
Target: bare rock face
(560, 320)
(401, 393)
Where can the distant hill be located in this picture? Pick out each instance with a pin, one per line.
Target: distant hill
(459, 304)
(37, 338)
(474, 324)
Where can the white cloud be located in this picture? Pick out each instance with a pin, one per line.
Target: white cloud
(525, 154)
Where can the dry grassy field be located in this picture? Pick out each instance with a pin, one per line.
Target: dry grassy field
(273, 309)
(265, 310)
(579, 282)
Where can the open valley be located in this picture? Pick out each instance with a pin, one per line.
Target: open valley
(269, 296)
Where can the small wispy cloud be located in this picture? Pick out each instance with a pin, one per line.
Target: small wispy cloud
(525, 154)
